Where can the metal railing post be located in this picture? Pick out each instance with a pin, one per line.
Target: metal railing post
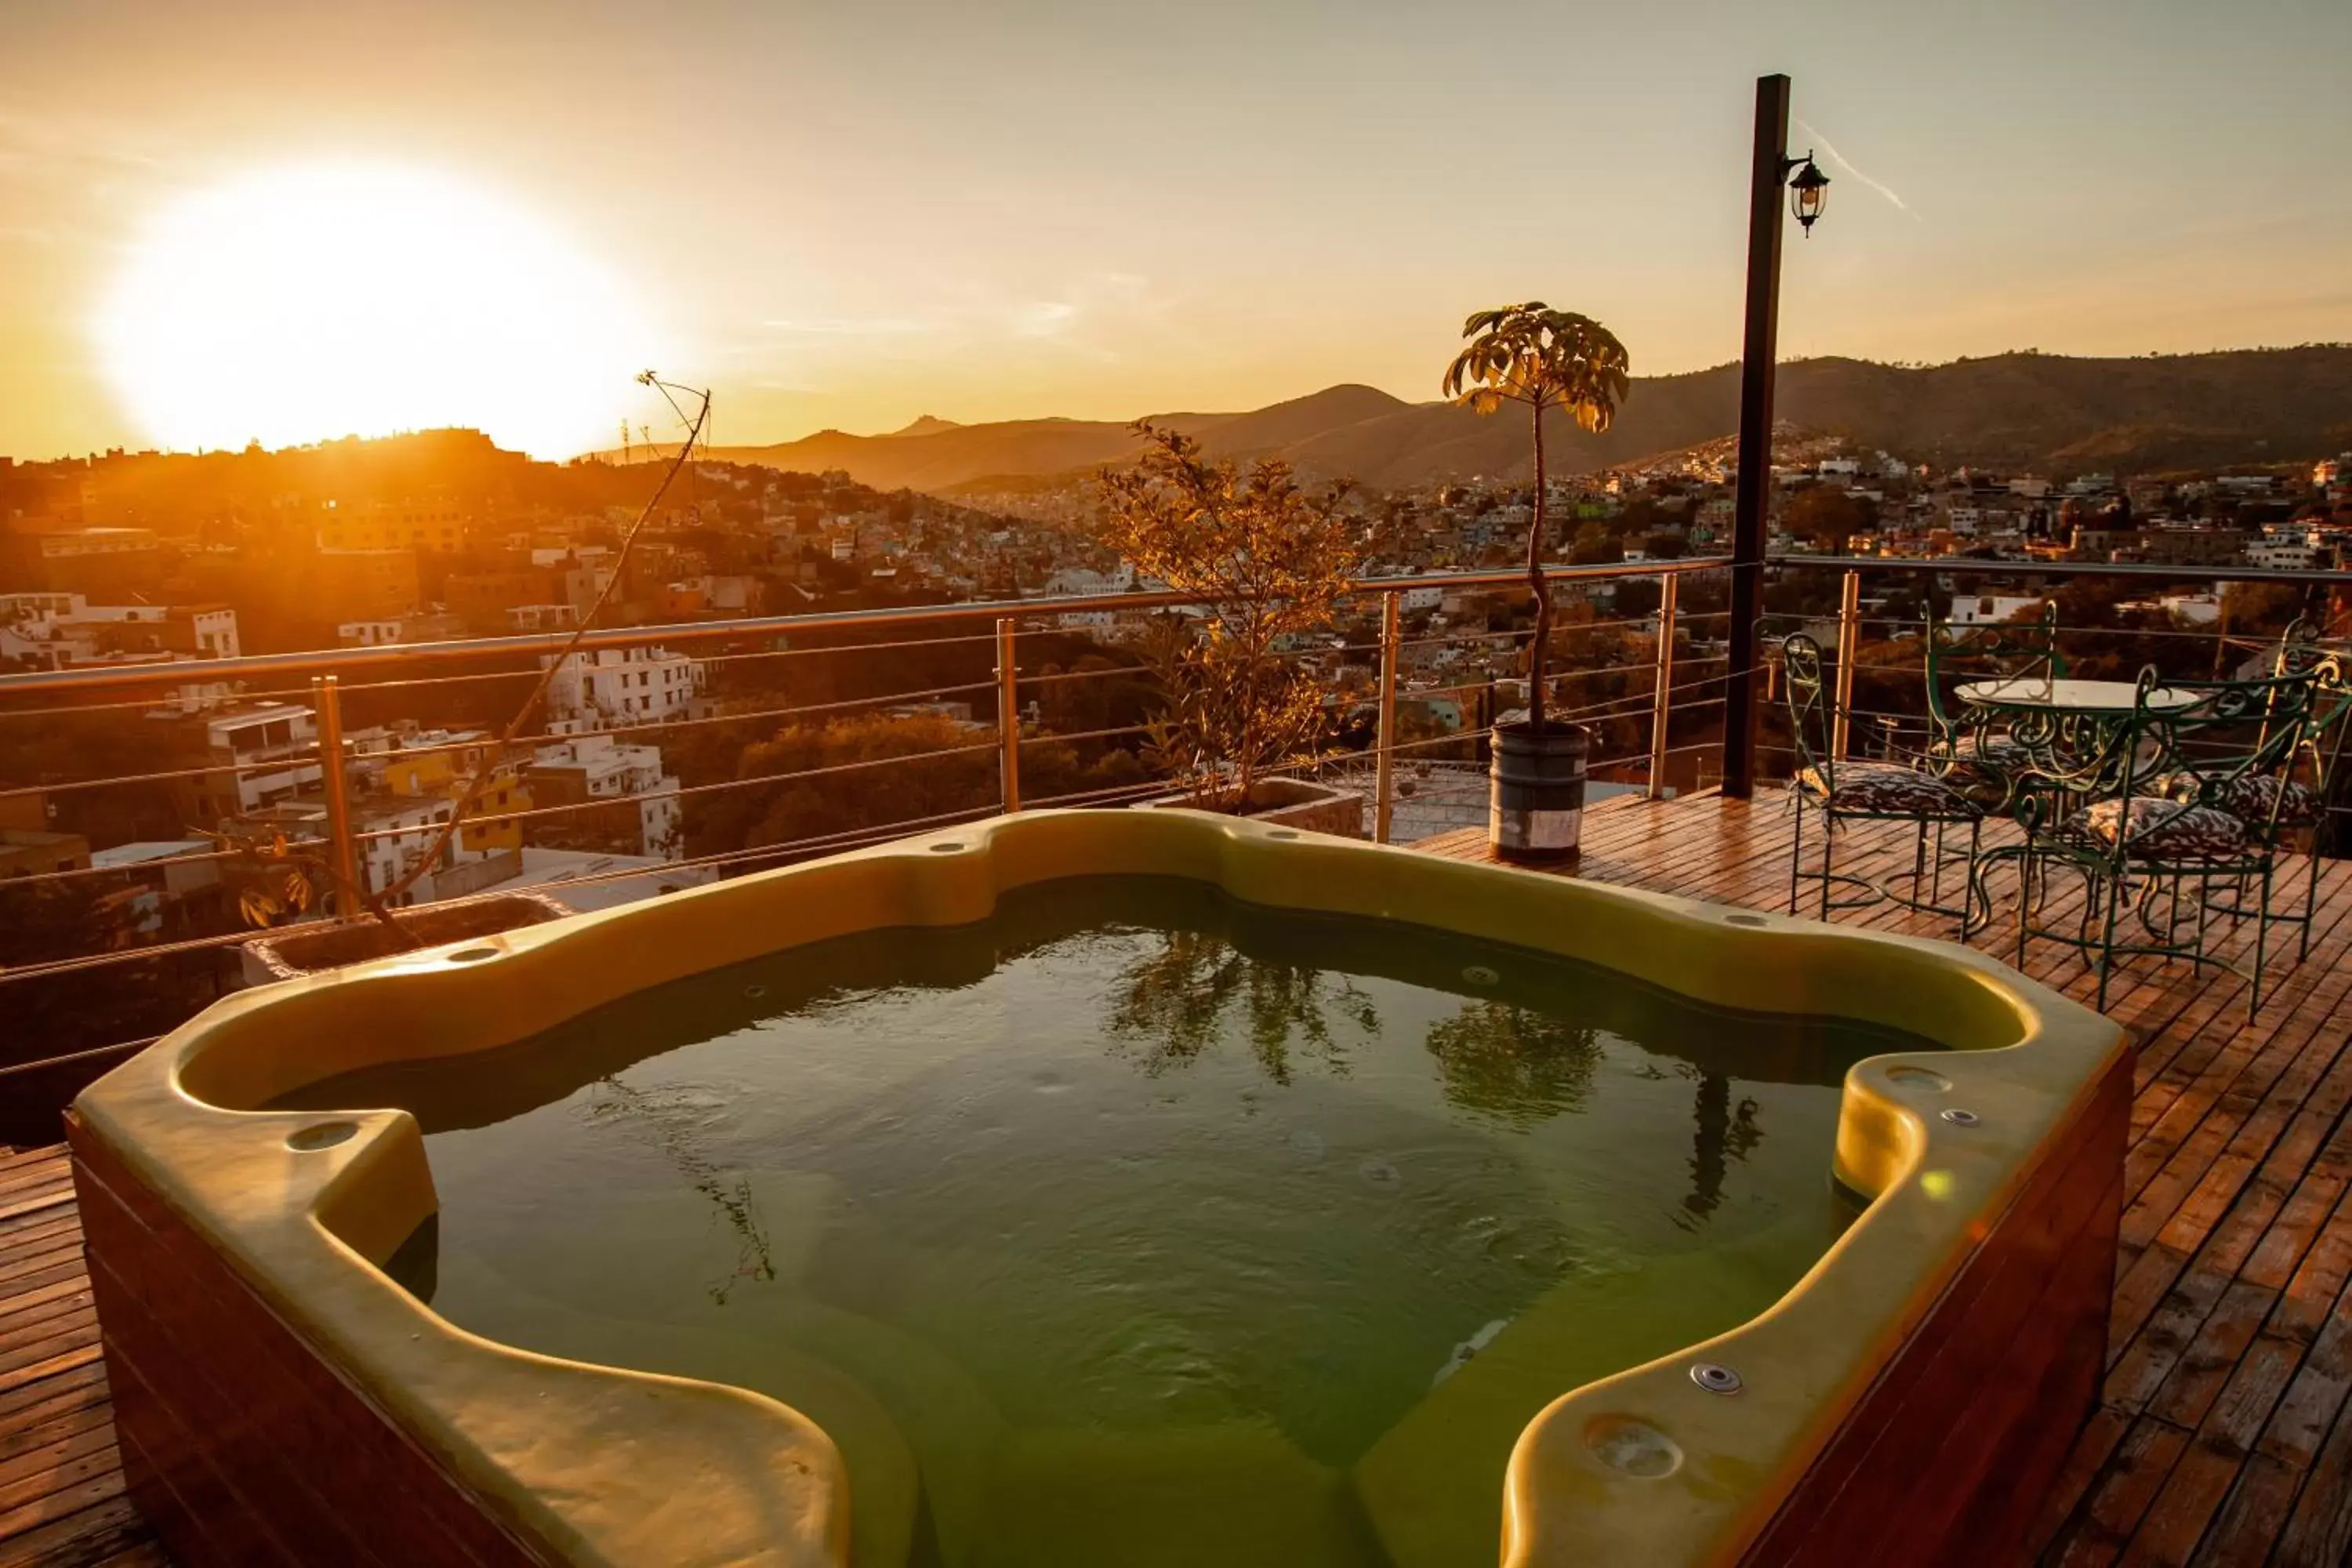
(342, 852)
(1008, 716)
(1384, 788)
(1849, 641)
(1662, 700)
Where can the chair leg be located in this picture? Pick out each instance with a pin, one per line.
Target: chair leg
(2024, 901)
(1829, 847)
(2262, 943)
(1969, 886)
(2204, 913)
(2310, 901)
(2116, 895)
(1796, 851)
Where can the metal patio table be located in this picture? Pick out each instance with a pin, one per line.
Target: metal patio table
(2054, 732)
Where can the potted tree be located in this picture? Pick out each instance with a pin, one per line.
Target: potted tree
(1541, 359)
(1264, 562)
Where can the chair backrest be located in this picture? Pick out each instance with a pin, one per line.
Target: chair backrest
(1809, 705)
(2301, 649)
(2000, 650)
(2232, 731)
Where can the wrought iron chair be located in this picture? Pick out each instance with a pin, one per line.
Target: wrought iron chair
(1842, 790)
(2289, 803)
(2137, 823)
(1988, 764)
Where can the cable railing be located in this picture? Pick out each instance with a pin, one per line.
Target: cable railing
(991, 716)
(361, 770)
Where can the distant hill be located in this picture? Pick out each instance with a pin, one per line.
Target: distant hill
(2020, 410)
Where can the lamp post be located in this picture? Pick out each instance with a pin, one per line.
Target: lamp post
(1807, 194)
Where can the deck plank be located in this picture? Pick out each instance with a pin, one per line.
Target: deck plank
(62, 1502)
(2223, 1434)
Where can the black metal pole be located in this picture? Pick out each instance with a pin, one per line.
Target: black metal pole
(1755, 480)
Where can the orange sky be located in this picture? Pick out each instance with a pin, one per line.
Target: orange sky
(850, 215)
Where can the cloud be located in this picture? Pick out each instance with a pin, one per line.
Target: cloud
(1043, 318)
(849, 327)
(71, 148)
(1841, 160)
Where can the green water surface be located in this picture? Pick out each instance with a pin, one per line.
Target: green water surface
(1136, 1225)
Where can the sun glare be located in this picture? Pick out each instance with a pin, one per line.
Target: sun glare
(304, 303)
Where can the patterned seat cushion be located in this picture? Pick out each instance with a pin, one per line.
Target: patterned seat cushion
(2001, 751)
(1886, 789)
(2156, 828)
(2246, 796)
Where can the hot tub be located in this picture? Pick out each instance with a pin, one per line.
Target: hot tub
(1102, 1187)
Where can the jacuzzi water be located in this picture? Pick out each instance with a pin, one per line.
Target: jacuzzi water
(1136, 1225)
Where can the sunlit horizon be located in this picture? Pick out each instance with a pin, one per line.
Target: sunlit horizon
(843, 217)
(313, 301)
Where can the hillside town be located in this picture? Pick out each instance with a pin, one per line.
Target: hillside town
(116, 560)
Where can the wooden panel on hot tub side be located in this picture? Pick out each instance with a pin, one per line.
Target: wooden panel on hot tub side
(240, 1445)
(1945, 1461)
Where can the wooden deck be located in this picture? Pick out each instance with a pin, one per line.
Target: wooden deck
(61, 1498)
(2223, 1436)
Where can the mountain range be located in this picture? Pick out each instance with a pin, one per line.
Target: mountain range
(2046, 411)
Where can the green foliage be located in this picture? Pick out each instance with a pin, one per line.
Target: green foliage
(275, 878)
(1595, 544)
(877, 770)
(1825, 516)
(1173, 1004)
(1268, 561)
(1544, 358)
(1514, 1065)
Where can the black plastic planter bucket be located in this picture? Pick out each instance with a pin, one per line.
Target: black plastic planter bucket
(1535, 792)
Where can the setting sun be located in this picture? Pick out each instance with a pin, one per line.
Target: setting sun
(308, 302)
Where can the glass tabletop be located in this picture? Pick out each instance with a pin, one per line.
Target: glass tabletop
(2041, 694)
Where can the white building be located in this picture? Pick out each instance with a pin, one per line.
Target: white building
(541, 618)
(64, 631)
(1992, 609)
(613, 687)
(257, 757)
(391, 833)
(2284, 550)
(379, 633)
(385, 631)
(1079, 582)
(411, 822)
(2193, 609)
(597, 768)
(586, 879)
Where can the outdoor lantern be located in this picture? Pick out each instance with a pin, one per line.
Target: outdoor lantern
(1807, 194)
